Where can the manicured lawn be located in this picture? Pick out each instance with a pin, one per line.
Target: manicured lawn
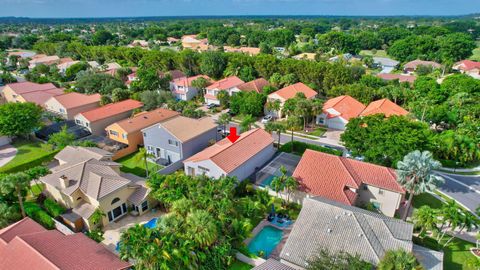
(380, 53)
(34, 191)
(29, 153)
(426, 199)
(318, 132)
(135, 164)
(238, 265)
(476, 53)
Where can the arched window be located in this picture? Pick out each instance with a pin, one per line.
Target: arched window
(115, 200)
(79, 198)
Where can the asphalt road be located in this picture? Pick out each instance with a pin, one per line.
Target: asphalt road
(464, 189)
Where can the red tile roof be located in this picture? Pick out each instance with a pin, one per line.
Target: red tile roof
(24, 226)
(174, 73)
(291, 90)
(74, 99)
(184, 81)
(255, 85)
(226, 83)
(145, 119)
(54, 250)
(399, 77)
(229, 156)
(332, 176)
(111, 110)
(467, 65)
(346, 106)
(35, 92)
(384, 106)
(415, 63)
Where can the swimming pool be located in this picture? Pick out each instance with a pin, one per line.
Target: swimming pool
(151, 224)
(266, 241)
(267, 181)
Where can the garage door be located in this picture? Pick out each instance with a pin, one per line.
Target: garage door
(4, 140)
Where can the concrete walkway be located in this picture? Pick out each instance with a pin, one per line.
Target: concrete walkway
(7, 153)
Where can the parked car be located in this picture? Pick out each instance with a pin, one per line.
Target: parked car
(211, 106)
(266, 119)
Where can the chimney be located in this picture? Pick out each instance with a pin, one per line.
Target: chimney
(64, 182)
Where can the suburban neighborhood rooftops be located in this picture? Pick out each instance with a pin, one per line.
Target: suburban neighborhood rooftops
(384, 106)
(145, 119)
(467, 65)
(187, 82)
(74, 99)
(399, 77)
(229, 156)
(226, 83)
(334, 177)
(291, 90)
(185, 129)
(111, 109)
(326, 224)
(272, 264)
(255, 85)
(175, 74)
(28, 87)
(415, 63)
(344, 106)
(247, 50)
(43, 59)
(24, 226)
(50, 249)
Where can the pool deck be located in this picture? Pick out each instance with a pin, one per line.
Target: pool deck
(278, 249)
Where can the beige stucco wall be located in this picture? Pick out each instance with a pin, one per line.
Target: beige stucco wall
(98, 127)
(11, 96)
(389, 201)
(54, 106)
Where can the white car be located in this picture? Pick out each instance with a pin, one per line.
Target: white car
(266, 119)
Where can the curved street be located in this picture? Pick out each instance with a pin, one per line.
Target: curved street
(465, 189)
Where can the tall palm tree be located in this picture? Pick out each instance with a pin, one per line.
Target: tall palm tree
(273, 106)
(291, 185)
(16, 183)
(224, 119)
(467, 221)
(304, 109)
(144, 154)
(247, 122)
(202, 228)
(317, 108)
(275, 127)
(415, 174)
(293, 123)
(450, 213)
(426, 217)
(278, 182)
(398, 260)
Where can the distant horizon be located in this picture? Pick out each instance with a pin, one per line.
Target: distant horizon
(91, 9)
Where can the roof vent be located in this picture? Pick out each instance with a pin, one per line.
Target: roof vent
(344, 213)
(287, 254)
(337, 217)
(329, 230)
(349, 214)
(360, 234)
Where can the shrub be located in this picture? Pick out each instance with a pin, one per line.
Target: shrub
(300, 147)
(36, 213)
(53, 208)
(96, 235)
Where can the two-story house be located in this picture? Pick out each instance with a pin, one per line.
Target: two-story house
(286, 93)
(178, 138)
(70, 104)
(183, 89)
(30, 92)
(229, 84)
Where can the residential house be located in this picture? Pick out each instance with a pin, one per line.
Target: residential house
(256, 85)
(183, 89)
(400, 77)
(43, 59)
(252, 51)
(286, 93)
(327, 224)
(468, 67)
(110, 68)
(175, 74)
(171, 40)
(178, 138)
(348, 181)
(229, 84)
(131, 78)
(20, 55)
(30, 92)
(338, 111)
(70, 104)
(87, 179)
(192, 42)
(413, 65)
(96, 120)
(129, 131)
(26, 245)
(139, 43)
(239, 159)
(383, 106)
(305, 56)
(387, 64)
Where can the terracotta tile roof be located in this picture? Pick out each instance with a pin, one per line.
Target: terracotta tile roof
(24, 226)
(74, 99)
(208, 96)
(384, 106)
(229, 156)
(185, 129)
(291, 90)
(145, 119)
(247, 50)
(255, 85)
(43, 59)
(174, 73)
(184, 81)
(40, 97)
(111, 110)
(226, 83)
(399, 77)
(27, 87)
(415, 63)
(332, 176)
(467, 65)
(345, 106)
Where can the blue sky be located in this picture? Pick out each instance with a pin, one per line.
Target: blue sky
(121, 8)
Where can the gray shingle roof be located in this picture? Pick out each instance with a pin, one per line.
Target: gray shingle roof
(430, 259)
(272, 264)
(72, 154)
(323, 223)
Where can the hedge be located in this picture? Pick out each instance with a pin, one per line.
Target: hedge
(53, 208)
(300, 147)
(39, 215)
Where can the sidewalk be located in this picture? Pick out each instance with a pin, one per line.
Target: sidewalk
(454, 170)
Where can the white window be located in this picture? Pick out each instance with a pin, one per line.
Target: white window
(62, 110)
(203, 170)
(124, 136)
(172, 142)
(114, 133)
(380, 191)
(144, 134)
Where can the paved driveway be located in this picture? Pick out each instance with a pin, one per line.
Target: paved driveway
(7, 153)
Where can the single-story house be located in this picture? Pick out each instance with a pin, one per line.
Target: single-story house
(413, 65)
(400, 77)
(192, 42)
(43, 59)
(183, 89)
(26, 245)
(286, 93)
(178, 138)
(327, 224)
(348, 181)
(468, 67)
(229, 84)
(383, 106)
(387, 64)
(87, 179)
(256, 85)
(70, 104)
(30, 92)
(246, 50)
(129, 131)
(338, 111)
(96, 120)
(238, 159)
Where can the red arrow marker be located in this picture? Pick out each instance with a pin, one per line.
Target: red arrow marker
(233, 134)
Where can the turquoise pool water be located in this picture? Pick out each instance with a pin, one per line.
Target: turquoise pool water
(267, 181)
(151, 224)
(266, 240)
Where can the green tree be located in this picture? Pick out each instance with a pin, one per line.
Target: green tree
(293, 123)
(72, 71)
(223, 120)
(143, 154)
(278, 182)
(61, 139)
(17, 184)
(224, 98)
(97, 217)
(277, 127)
(19, 119)
(119, 94)
(426, 218)
(247, 122)
(212, 64)
(399, 260)
(326, 260)
(416, 174)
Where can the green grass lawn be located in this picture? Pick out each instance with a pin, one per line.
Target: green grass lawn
(476, 53)
(426, 199)
(30, 154)
(238, 265)
(135, 164)
(379, 53)
(34, 191)
(318, 132)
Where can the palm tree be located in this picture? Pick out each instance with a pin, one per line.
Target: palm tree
(450, 213)
(16, 183)
(144, 154)
(202, 228)
(275, 127)
(291, 185)
(426, 218)
(224, 119)
(317, 108)
(398, 260)
(273, 106)
(415, 174)
(466, 220)
(97, 217)
(278, 182)
(247, 122)
(293, 123)
(304, 109)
